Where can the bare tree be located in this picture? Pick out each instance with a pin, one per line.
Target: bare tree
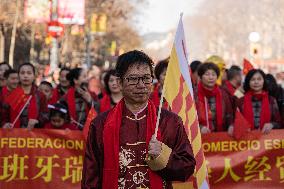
(72, 47)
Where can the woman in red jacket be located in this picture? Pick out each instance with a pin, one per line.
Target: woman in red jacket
(25, 106)
(258, 107)
(213, 106)
(113, 91)
(63, 86)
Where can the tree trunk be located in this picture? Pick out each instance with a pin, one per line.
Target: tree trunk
(13, 37)
(2, 46)
(32, 51)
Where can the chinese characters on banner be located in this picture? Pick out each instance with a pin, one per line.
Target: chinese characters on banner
(54, 159)
(41, 158)
(257, 161)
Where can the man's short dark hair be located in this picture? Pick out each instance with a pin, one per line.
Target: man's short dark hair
(130, 58)
(194, 65)
(106, 79)
(250, 74)
(7, 73)
(208, 66)
(160, 67)
(46, 83)
(233, 72)
(27, 64)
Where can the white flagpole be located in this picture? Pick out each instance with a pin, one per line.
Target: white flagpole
(77, 123)
(159, 112)
(14, 122)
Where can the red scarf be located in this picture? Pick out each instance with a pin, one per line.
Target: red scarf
(155, 97)
(205, 93)
(111, 146)
(17, 103)
(105, 103)
(5, 91)
(55, 96)
(248, 109)
(230, 87)
(70, 98)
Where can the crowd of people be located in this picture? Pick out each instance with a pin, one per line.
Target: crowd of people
(218, 93)
(123, 140)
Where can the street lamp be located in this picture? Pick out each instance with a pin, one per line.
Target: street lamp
(254, 37)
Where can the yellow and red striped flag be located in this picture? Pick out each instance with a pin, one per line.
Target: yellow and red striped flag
(179, 94)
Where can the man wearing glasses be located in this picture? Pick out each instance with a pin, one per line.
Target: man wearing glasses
(122, 151)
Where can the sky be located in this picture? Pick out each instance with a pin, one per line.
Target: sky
(163, 15)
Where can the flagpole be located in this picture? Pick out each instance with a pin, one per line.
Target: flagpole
(16, 119)
(77, 123)
(159, 112)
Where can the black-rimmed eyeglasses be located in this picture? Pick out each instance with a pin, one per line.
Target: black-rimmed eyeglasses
(132, 80)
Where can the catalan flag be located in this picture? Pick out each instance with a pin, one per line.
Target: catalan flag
(179, 94)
